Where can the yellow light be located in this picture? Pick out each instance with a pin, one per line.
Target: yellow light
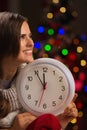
(79, 49)
(74, 121)
(55, 1)
(75, 127)
(49, 15)
(62, 9)
(45, 55)
(83, 62)
(80, 114)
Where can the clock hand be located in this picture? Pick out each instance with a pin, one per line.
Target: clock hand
(43, 78)
(44, 87)
(39, 79)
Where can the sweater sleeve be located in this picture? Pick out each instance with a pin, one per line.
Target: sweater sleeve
(45, 122)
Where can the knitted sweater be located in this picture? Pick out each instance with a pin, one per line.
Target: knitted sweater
(11, 95)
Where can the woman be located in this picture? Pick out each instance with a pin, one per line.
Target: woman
(16, 49)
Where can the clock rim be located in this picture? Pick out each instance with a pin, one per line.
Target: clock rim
(58, 64)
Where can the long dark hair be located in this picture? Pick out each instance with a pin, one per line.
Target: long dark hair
(10, 27)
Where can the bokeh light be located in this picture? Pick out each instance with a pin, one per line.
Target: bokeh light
(47, 47)
(64, 51)
(40, 29)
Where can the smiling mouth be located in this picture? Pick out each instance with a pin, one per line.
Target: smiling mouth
(28, 51)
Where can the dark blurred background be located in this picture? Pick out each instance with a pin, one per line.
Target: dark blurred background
(33, 10)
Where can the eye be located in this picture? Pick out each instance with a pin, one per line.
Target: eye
(22, 36)
(30, 35)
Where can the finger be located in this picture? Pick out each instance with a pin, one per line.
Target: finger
(75, 97)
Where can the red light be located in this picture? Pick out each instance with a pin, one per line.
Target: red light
(72, 56)
(79, 105)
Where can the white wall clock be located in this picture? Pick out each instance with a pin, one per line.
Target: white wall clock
(45, 86)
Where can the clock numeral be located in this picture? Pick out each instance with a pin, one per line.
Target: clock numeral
(60, 97)
(60, 79)
(36, 72)
(53, 103)
(44, 105)
(45, 69)
(30, 78)
(26, 87)
(29, 96)
(62, 88)
(54, 72)
(36, 102)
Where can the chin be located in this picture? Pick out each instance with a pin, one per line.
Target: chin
(29, 60)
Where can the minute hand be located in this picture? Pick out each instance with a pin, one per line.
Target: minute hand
(40, 79)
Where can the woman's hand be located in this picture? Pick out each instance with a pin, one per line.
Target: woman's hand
(70, 113)
(22, 121)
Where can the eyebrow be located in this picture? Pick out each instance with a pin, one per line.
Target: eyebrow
(24, 34)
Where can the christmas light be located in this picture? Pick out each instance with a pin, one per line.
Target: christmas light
(82, 76)
(83, 62)
(40, 29)
(45, 55)
(75, 14)
(79, 49)
(49, 15)
(64, 51)
(47, 47)
(74, 121)
(76, 41)
(72, 56)
(50, 31)
(85, 88)
(83, 37)
(75, 127)
(79, 105)
(55, 1)
(61, 31)
(62, 9)
(37, 45)
(80, 114)
(75, 69)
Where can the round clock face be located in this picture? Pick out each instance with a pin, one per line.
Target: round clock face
(45, 86)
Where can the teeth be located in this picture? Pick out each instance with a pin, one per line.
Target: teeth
(29, 51)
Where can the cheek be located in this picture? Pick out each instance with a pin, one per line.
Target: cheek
(21, 48)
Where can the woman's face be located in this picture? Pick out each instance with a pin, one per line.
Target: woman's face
(26, 44)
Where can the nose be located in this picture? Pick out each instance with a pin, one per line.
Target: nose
(29, 42)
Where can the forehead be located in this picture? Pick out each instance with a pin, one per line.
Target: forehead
(25, 28)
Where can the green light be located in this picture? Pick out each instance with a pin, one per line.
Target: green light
(50, 31)
(64, 52)
(47, 47)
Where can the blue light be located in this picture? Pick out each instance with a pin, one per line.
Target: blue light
(40, 29)
(61, 31)
(37, 45)
(83, 37)
(85, 88)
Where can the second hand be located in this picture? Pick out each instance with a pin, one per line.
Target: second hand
(44, 87)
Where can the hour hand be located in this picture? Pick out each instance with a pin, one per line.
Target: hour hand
(43, 78)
